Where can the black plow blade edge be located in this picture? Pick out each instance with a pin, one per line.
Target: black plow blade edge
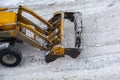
(72, 52)
(51, 58)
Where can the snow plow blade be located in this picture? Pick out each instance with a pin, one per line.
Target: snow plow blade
(71, 38)
(72, 52)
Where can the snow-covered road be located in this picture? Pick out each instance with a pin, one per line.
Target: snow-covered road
(100, 57)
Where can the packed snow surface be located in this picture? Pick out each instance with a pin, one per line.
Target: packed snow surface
(100, 56)
(28, 2)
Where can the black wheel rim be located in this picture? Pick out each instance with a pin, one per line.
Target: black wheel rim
(9, 59)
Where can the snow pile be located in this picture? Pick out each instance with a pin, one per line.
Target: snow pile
(69, 39)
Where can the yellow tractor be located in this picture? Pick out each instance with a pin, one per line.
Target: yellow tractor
(14, 27)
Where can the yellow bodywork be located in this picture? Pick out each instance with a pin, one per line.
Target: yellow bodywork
(7, 20)
(3, 9)
(58, 49)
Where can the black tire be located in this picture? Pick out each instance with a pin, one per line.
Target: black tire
(10, 52)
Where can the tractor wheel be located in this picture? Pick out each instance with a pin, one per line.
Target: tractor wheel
(10, 57)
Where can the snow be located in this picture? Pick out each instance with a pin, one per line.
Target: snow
(29, 2)
(69, 39)
(100, 57)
